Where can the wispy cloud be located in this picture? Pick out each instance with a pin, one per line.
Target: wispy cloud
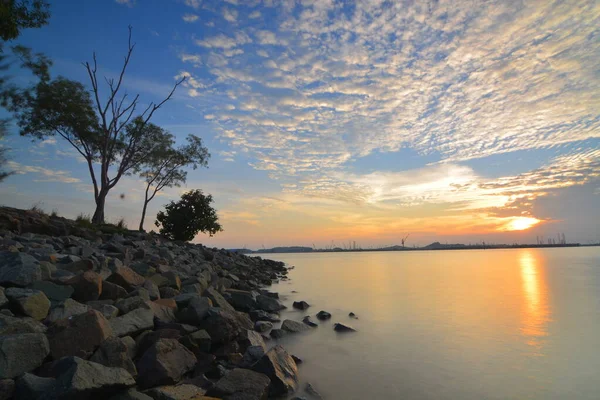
(128, 3)
(46, 174)
(190, 18)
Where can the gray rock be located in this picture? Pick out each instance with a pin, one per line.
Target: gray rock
(268, 304)
(260, 315)
(11, 325)
(252, 355)
(277, 333)
(130, 304)
(279, 366)
(200, 339)
(19, 269)
(343, 328)
(294, 326)
(55, 293)
(22, 353)
(217, 299)
(241, 300)
(323, 315)
(301, 305)
(241, 384)
(131, 394)
(308, 321)
(33, 387)
(152, 289)
(67, 308)
(196, 311)
(223, 325)
(164, 363)
(179, 392)
(112, 291)
(184, 299)
(3, 298)
(133, 322)
(131, 346)
(113, 352)
(32, 303)
(262, 326)
(7, 389)
(249, 338)
(109, 311)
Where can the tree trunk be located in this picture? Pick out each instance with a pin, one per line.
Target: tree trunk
(143, 216)
(98, 217)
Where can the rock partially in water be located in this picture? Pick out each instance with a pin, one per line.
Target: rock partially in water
(308, 321)
(294, 326)
(301, 305)
(268, 304)
(281, 369)
(343, 328)
(323, 315)
(277, 333)
(352, 315)
(312, 392)
(260, 315)
(262, 326)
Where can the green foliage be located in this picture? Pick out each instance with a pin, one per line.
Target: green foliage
(84, 220)
(182, 220)
(54, 213)
(16, 15)
(37, 208)
(121, 224)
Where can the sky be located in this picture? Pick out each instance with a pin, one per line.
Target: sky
(335, 121)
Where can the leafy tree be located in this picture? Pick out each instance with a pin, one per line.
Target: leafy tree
(104, 130)
(190, 215)
(165, 167)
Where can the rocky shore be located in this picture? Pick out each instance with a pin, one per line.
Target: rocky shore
(105, 313)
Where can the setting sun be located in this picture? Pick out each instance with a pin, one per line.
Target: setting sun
(521, 223)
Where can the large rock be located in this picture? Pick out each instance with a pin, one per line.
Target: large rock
(217, 299)
(308, 321)
(3, 298)
(19, 269)
(130, 304)
(113, 352)
(127, 278)
(223, 325)
(343, 328)
(197, 341)
(66, 309)
(323, 315)
(78, 335)
(294, 326)
(164, 363)
(7, 389)
(262, 326)
(32, 303)
(196, 310)
(87, 286)
(241, 384)
(131, 394)
(163, 309)
(133, 322)
(81, 379)
(148, 339)
(22, 353)
(179, 392)
(55, 293)
(281, 368)
(242, 300)
(251, 338)
(173, 279)
(12, 325)
(32, 387)
(268, 304)
(109, 311)
(112, 291)
(301, 305)
(260, 315)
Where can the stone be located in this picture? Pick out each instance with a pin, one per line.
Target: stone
(260, 315)
(241, 384)
(323, 315)
(33, 387)
(277, 333)
(11, 325)
(107, 310)
(223, 325)
(55, 293)
(87, 286)
(343, 328)
(251, 338)
(241, 300)
(147, 339)
(297, 359)
(196, 310)
(21, 353)
(163, 309)
(184, 299)
(199, 339)
(126, 278)
(78, 266)
(168, 292)
(262, 326)
(139, 292)
(66, 309)
(131, 394)
(294, 326)
(173, 280)
(80, 379)
(164, 363)
(268, 304)
(29, 302)
(3, 298)
(18, 269)
(130, 304)
(133, 322)
(301, 305)
(308, 321)
(131, 346)
(352, 315)
(7, 389)
(179, 392)
(251, 356)
(112, 291)
(78, 335)
(217, 299)
(279, 366)
(152, 289)
(113, 352)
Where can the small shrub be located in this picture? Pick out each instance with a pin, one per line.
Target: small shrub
(54, 213)
(37, 208)
(121, 224)
(84, 220)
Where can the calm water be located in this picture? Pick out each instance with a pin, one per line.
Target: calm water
(493, 324)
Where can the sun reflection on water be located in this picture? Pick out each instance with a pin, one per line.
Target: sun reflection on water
(536, 312)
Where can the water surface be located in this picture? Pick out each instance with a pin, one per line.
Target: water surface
(473, 324)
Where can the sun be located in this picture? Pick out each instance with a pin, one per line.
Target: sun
(521, 223)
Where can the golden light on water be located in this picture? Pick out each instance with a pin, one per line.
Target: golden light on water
(536, 313)
(521, 223)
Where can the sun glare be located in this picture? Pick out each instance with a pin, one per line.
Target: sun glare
(521, 223)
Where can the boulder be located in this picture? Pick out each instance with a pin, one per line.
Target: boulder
(109, 311)
(21, 353)
(323, 315)
(199, 340)
(279, 366)
(164, 363)
(7, 389)
(147, 339)
(130, 304)
(294, 326)
(66, 309)
(168, 292)
(196, 310)
(173, 280)
(241, 300)
(223, 325)
(217, 299)
(32, 303)
(113, 352)
(251, 356)
(301, 305)
(179, 392)
(153, 291)
(33, 387)
(277, 333)
(241, 384)
(19, 269)
(11, 325)
(87, 286)
(260, 315)
(308, 321)
(268, 304)
(78, 335)
(163, 309)
(131, 394)
(343, 328)
(352, 315)
(262, 326)
(184, 299)
(3, 298)
(80, 379)
(250, 338)
(133, 322)
(126, 278)
(78, 266)
(112, 291)
(55, 293)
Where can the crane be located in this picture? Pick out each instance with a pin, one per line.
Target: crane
(403, 240)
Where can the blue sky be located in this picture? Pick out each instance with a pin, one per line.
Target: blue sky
(338, 120)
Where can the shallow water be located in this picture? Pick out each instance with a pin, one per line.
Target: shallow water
(473, 324)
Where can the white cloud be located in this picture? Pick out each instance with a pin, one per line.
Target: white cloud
(47, 175)
(255, 14)
(190, 18)
(222, 41)
(230, 14)
(128, 3)
(195, 4)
